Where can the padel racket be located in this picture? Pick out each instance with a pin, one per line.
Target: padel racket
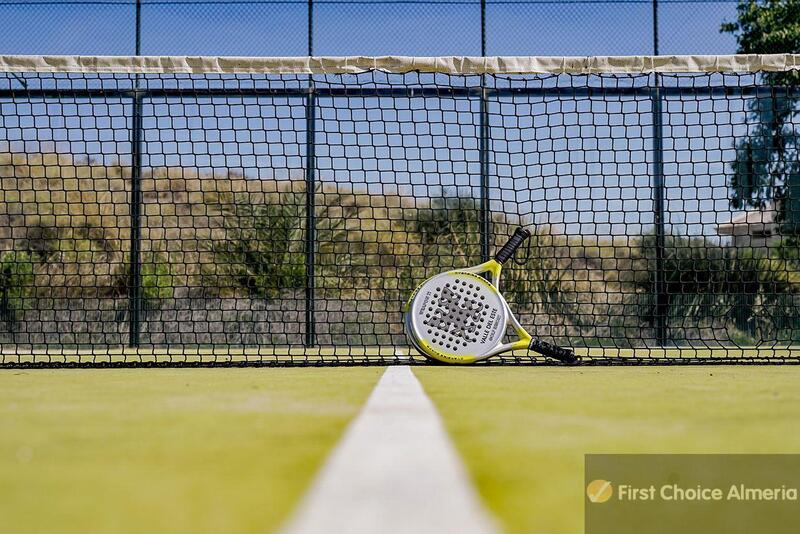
(460, 317)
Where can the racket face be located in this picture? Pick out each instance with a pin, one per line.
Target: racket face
(456, 317)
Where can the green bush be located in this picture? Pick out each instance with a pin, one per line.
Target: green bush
(450, 234)
(157, 280)
(16, 283)
(756, 294)
(449, 218)
(262, 252)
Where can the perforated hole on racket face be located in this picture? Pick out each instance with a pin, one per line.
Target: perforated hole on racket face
(458, 314)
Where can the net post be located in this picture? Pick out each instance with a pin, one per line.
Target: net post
(310, 178)
(310, 214)
(135, 280)
(484, 163)
(661, 302)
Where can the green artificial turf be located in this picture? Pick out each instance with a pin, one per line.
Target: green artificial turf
(523, 431)
(166, 450)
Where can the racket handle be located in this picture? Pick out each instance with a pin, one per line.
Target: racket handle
(519, 237)
(552, 351)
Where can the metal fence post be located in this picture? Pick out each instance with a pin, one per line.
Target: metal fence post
(138, 42)
(483, 148)
(661, 297)
(310, 241)
(135, 281)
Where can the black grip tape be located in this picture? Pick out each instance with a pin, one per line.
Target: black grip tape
(519, 237)
(552, 351)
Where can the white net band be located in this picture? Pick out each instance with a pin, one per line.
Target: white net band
(399, 64)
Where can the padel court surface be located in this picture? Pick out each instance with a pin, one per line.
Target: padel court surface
(241, 449)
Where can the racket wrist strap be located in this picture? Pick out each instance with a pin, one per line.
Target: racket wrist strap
(552, 351)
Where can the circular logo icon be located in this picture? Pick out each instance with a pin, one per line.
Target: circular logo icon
(599, 491)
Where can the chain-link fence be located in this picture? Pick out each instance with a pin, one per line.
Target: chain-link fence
(366, 27)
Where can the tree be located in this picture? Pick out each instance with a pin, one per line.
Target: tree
(766, 169)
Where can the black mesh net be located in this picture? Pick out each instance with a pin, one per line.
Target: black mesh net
(279, 219)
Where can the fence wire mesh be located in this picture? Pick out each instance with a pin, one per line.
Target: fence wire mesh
(366, 27)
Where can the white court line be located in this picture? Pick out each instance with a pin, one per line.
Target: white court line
(395, 471)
